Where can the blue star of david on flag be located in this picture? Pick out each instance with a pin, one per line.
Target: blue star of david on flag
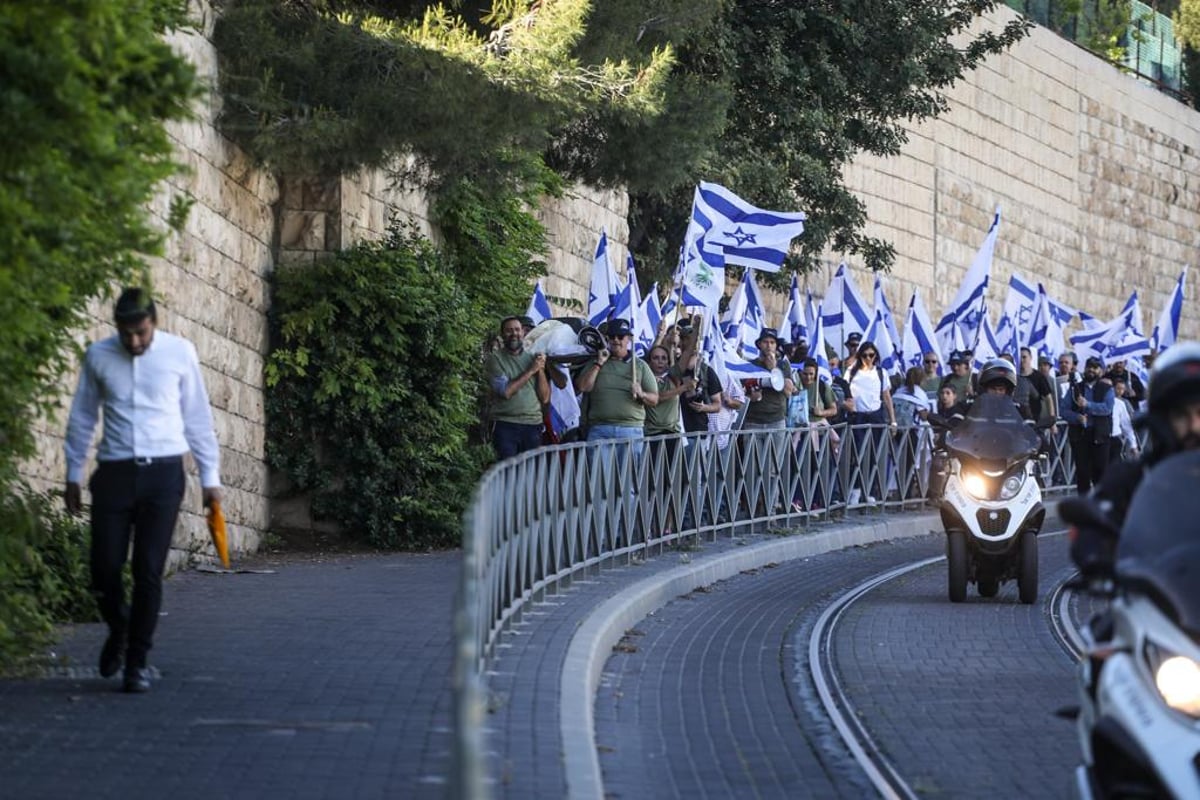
(741, 237)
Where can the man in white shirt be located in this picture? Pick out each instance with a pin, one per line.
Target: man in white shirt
(1124, 440)
(156, 409)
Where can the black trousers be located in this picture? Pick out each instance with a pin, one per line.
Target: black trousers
(142, 500)
(1091, 457)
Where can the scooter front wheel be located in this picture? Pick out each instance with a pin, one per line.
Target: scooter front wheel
(956, 559)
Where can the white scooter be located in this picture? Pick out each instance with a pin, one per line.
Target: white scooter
(1139, 677)
(992, 504)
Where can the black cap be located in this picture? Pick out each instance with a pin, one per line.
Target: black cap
(956, 357)
(854, 338)
(767, 333)
(618, 329)
(1094, 362)
(527, 321)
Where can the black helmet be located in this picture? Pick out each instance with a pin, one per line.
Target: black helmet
(998, 370)
(1175, 379)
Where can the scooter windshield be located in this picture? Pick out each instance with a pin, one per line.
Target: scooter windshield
(994, 431)
(1160, 541)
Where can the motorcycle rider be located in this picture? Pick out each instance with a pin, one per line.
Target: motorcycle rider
(1172, 421)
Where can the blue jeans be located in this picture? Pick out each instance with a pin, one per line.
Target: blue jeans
(513, 438)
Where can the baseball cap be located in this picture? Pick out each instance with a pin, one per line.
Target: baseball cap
(619, 329)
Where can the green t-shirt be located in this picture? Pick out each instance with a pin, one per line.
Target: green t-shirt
(664, 417)
(773, 406)
(523, 407)
(611, 398)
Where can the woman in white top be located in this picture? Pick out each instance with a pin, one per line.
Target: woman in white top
(870, 403)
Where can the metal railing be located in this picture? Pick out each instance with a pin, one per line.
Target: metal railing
(540, 518)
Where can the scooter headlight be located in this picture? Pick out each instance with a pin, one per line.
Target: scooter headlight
(1012, 484)
(1177, 679)
(976, 485)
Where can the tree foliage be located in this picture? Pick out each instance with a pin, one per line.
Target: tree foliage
(770, 99)
(85, 86)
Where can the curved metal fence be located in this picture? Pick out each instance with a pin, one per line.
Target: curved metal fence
(540, 518)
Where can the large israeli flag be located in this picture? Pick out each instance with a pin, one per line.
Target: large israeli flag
(844, 310)
(1018, 307)
(604, 286)
(966, 312)
(539, 307)
(816, 348)
(723, 229)
(1166, 330)
(750, 237)
(919, 336)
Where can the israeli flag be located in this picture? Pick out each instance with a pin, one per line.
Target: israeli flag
(565, 411)
(539, 307)
(754, 320)
(844, 310)
(1046, 333)
(987, 348)
(1098, 341)
(651, 312)
(919, 336)
(1018, 307)
(810, 314)
(750, 237)
(966, 312)
(793, 324)
(1135, 306)
(878, 333)
(1007, 339)
(883, 310)
(816, 349)
(604, 286)
(1166, 331)
(1089, 322)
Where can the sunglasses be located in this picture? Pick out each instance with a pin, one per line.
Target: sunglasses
(869, 354)
(931, 361)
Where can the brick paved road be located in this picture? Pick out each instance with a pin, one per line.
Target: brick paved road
(706, 699)
(961, 697)
(326, 679)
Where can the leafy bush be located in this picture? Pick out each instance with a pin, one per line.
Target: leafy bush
(371, 390)
(44, 577)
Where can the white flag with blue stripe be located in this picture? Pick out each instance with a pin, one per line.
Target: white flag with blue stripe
(539, 307)
(1166, 331)
(966, 312)
(843, 310)
(1007, 339)
(1018, 307)
(877, 333)
(885, 312)
(604, 286)
(919, 336)
(986, 348)
(793, 325)
(816, 348)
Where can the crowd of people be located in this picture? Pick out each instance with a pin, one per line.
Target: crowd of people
(672, 391)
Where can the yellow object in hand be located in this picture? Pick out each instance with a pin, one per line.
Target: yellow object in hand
(216, 527)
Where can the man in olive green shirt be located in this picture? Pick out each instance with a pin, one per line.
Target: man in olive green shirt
(616, 403)
(520, 388)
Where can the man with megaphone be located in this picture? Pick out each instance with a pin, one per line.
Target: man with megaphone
(769, 397)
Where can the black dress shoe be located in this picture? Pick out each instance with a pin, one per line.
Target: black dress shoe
(137, 681)
(110, 655)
